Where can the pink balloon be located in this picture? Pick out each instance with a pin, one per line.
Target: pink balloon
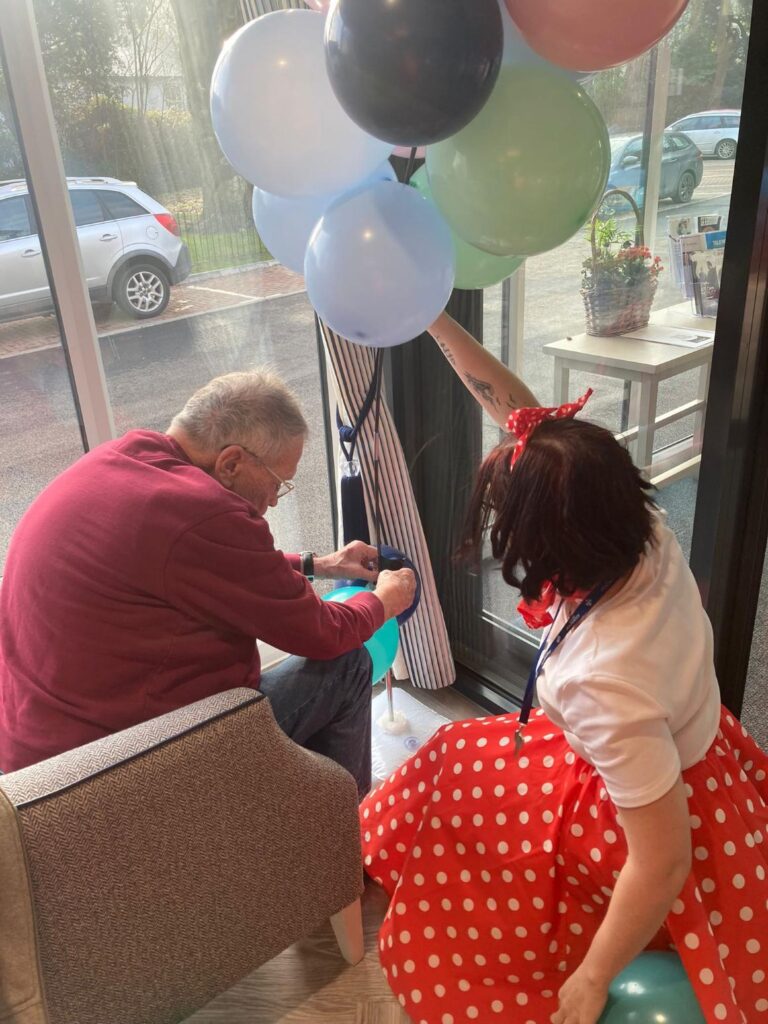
(318, 5)
(405, 151)
(589, 35)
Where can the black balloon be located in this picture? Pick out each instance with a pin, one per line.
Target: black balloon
(413, 72)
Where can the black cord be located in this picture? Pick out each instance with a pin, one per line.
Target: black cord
(409, 165)
(377, 376)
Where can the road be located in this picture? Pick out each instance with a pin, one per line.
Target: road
(152, 369)
(150, 374)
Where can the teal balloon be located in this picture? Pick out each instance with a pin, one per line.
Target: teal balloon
(528, 172)
(653, 989)
(474, 267)
(382, 646)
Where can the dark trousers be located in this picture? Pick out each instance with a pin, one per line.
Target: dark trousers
(325, 706)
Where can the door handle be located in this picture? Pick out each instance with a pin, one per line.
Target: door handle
(30, 252)
(108, 238)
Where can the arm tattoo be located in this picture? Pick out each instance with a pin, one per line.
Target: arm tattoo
(483, 389)
(447, 353)
(511, 403)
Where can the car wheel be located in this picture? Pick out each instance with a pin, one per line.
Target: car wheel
(685, 187)
(725, 149)
(142, 290)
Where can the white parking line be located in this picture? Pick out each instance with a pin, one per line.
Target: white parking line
(219, 291)
(146, 324)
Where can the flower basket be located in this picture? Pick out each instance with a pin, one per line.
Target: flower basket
(618, 289)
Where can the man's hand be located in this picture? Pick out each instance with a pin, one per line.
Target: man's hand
(582, 1000)
(355, 561)
(396, 590)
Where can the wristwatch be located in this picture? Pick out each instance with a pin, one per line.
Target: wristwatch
(308, 564)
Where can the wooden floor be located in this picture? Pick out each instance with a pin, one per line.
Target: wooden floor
(309, 983)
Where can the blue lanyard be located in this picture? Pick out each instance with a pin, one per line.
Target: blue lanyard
(545, 651)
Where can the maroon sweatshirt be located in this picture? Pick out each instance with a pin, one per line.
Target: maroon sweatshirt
(136, 584)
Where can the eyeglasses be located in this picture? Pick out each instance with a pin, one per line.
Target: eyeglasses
(284, 486)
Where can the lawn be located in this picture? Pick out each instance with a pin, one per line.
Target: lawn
(218, 250)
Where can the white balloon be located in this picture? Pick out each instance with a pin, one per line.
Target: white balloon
(276, 117)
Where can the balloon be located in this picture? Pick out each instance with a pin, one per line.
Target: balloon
(382, 646)
(379, 266)
(285, 225)
(527, 173)
(474, 268)
(588, 35)
(275, 115)
(517, 51)
(405, 151)
(413, 72)
(652, 989)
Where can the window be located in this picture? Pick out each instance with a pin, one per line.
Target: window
(634, 149)
(118, 205)
(677, 142)
(86, 207)
(14, 218)
(708, 123)
(731, 121)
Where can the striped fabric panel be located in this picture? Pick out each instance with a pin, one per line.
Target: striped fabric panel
(424, 638)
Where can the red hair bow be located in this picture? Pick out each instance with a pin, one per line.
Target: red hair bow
(523, 422)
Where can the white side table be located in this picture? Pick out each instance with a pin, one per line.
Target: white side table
(644, 364)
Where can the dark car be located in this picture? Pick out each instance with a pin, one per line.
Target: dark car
(682, 166)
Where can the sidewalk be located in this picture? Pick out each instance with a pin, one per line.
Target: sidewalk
(204, 293)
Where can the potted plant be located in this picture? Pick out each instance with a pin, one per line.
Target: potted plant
(619, 278)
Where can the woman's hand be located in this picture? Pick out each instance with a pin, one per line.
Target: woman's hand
(582, 999)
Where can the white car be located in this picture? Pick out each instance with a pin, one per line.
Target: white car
(715, 132)
(130, 245)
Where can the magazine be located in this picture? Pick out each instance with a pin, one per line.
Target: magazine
(706, 273)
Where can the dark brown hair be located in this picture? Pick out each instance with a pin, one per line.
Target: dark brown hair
(574, 509)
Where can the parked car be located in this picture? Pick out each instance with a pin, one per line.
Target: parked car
(715, 132)
(130, 245)
(682, 167)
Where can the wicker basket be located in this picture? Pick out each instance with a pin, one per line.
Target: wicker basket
(616, 309)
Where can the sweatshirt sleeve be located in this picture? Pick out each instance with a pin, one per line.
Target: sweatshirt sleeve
(227, 573)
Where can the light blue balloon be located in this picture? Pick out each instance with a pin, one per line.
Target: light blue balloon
(380, 265)
(285, 224)
(517, 51)
(382, 646)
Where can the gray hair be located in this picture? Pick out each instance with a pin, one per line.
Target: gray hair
(253, 408)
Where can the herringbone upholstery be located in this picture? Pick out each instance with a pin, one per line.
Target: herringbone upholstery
(168, 861)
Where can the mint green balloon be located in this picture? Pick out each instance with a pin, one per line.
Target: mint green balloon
(527, 173)
(653, 989)
(382, 646)
(474, 267)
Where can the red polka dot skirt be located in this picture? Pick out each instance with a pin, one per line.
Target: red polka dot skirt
(500, 871)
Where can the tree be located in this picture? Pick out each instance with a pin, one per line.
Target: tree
(149, 29)
(78, 39)
(202, 27)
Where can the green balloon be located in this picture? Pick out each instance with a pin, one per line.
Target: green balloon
(525, 174)
(653, 989)
(474, 267)
(383, 645)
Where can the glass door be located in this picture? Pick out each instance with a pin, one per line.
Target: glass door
(535, 322)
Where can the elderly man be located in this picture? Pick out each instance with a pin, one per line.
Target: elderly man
(140, 579)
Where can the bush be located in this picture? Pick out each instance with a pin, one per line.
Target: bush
(105, 137)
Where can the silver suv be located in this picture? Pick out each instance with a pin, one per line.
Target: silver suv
(130, 246)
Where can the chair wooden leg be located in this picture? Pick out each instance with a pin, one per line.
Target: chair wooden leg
(348, 928)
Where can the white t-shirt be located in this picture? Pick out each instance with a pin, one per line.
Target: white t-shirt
(633, 686)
